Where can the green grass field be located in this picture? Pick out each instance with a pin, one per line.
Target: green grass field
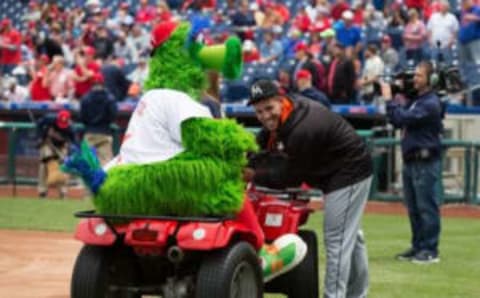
(456, 276)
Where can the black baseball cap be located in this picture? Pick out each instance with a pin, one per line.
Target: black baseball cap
(262, 89)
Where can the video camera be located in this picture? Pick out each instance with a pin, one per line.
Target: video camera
(447, 78)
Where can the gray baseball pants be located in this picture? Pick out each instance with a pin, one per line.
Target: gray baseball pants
(347, 264)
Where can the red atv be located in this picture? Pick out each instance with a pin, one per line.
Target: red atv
(186, 257)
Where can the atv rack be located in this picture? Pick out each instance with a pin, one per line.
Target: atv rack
(92, 214)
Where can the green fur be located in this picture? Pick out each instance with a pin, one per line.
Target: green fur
(232, 67)
(205, 179)
(172, 68)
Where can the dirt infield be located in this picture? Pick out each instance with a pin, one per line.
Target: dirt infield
(36, 264)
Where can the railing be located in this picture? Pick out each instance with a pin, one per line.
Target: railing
(15, 131)
(385, 151)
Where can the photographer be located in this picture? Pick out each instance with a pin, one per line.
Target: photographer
(421, 122)
(55, 133)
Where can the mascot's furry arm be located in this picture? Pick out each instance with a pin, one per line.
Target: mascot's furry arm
(205, 179)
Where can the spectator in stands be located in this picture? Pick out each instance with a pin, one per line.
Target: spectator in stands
(328, 41)
(124, 48)
(271, 48)
(59, 80)
(200, 5)
(302, 21)
(315, 146)
(98, 110)
(304, 60)
(55, 133)
(442, 27)
(123, 15)
(359, 12)
(322, 20)
(85, 68)
(432, 7)
(421, 123)
(272, 17)
(140, 39)
(145, 12)
(372, 72)
(285, 81)
(414, 36)
(51, 44)
(163, 12)
(103, 43)
(469, 33)
(341, 77)
(140, 73)
(116, 81)
(398, 18)
(349, 35)
(374, 19)
(418, 5)
(243, 21)
(338, 8)
(250, 51)
(303, 81)
(34, 12)
(289, 41)
(389, 54)
(315, 45)
(10, 52)
(13, 92)
(38, 70)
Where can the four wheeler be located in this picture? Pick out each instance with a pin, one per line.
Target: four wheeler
(186, 257)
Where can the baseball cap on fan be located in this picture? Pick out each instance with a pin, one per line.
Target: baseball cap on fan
(261, 90)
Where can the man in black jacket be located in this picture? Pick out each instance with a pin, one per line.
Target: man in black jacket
(316, 146)
(98, 110)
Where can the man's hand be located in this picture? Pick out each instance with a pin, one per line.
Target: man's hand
(248, 174)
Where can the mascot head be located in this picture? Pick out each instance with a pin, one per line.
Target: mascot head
(179, 58)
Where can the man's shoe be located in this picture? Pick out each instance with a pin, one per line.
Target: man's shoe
(282, 255)
(425, 257)
(406, 255)
(42, 194)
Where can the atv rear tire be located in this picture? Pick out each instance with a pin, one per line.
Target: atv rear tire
(97, 268)
(303, 279)
(233, 272)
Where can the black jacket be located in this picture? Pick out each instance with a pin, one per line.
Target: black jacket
(98, 109)
(343, 89)
(115, 81)
(319, 147)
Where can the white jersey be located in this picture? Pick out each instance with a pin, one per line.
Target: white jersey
(154, 132)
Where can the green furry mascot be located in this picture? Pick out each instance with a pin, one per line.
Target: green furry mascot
(190, 170)
(175, 159)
